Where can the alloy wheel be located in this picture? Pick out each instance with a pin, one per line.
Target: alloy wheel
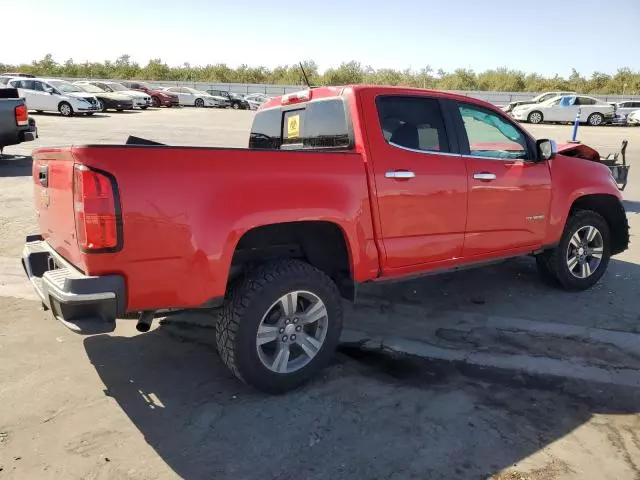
(292, 332)
(585, 250)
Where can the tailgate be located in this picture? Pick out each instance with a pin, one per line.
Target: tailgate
(53, 192)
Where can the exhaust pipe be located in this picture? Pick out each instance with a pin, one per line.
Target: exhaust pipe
(144, 322)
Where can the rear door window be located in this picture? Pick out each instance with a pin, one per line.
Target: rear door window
(415, 123)
(320, 124)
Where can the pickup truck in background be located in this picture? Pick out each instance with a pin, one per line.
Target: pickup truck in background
(15, 124)
(339, 186)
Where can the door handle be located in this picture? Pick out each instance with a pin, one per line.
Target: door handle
(404, 174)
(485, 176)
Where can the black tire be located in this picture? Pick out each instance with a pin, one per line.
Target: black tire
(65, 109)
(535, 117)
(119, 109)
(552, 264)
(155, 102)
(199, 103)
(88, 114)
(251, 299)
(235, 106)
(144, 107)
(595, 119)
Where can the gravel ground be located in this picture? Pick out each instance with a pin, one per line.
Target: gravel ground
(162, 406)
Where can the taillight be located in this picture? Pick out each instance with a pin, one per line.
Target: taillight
(22, 117)
(296, 97)
(97, 212)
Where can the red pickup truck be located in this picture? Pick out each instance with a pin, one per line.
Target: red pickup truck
(339, 186)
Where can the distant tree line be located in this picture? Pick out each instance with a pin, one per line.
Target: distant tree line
(623, 81)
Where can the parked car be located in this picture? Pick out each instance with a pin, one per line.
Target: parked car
(108, 100)
(235, 101)
(255, 100)
(5, 77)
(17, 74)
(564, 109)
(15, 124)
(52, 95)
(376, 183)
(159, 98)
(195, 98)
(634, 118)
(543, 97)
(625, 108)
(140, 99)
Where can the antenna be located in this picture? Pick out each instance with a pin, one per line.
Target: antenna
(306, 79)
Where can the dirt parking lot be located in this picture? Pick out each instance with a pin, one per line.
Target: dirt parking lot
(510, 379)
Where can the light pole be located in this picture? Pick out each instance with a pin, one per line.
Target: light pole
(624, 86)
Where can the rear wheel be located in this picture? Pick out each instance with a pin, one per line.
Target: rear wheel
(535, 117)
(199, 103)
(595, 119)
(280, 325)
(65, 109)
(582, 257)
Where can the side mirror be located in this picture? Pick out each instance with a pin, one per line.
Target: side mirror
(547, 149)
(49, 90)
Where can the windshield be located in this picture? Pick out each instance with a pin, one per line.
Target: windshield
(66, 87)
(116, 87)
(87, 87)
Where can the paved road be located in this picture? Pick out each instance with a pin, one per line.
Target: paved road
(161, 405)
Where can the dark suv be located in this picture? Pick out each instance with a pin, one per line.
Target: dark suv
(237, 102)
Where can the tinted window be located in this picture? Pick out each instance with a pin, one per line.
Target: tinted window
(412, 122)
(27, 84)
(266, 131)
(584, 101)
(315, 125)
(490, 135)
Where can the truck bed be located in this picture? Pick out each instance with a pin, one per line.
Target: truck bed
(184, 210)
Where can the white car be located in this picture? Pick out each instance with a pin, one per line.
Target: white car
(565, 109)
(195, 98)
(634, 118)
(50, 95)
(256, 99)
(543, 97)
(140, 99)
(625, 108)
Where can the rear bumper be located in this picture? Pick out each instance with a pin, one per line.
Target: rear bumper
(85, 304)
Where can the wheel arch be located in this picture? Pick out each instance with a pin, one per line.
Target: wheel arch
(612, 210)
(323, 244)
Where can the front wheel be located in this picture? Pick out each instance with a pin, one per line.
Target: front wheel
(199, 103)
(156, 102)
(595, 119)
(65, 109)
(535, 117)
(280, 325)
(582, 257)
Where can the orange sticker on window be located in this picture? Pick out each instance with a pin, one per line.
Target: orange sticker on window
(293, 126)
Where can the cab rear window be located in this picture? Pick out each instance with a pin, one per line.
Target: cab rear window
(320, 124)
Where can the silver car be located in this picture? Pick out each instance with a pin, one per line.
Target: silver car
(256, 99)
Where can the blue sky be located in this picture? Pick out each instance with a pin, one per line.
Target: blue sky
(544, 36)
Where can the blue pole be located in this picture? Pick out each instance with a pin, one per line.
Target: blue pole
(574, 134)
